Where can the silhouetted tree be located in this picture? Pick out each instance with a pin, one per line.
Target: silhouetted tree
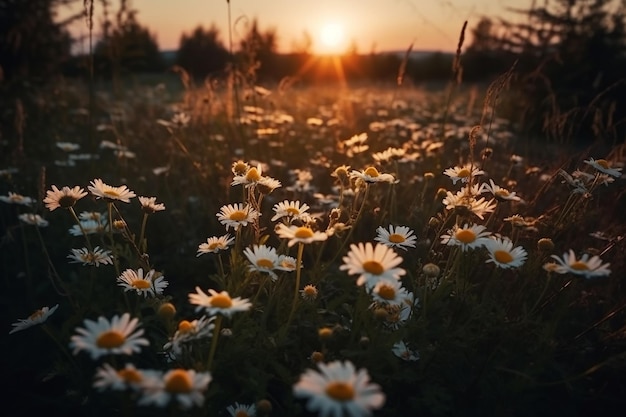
(202, 52)
(258, 52)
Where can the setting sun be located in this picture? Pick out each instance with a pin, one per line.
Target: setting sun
(332, 38)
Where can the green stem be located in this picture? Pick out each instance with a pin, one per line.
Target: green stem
(113, 249)
(296, 289)
(216, 334)
(82, 229)
(143, 246)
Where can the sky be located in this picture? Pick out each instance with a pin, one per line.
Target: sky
(333, 25)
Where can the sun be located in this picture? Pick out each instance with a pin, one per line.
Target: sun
(332, 38)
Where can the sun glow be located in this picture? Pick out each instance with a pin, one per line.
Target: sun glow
(332, 38)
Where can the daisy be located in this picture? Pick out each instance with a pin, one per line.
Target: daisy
(287, 263)
(218, 302)
(463, 173)
(500, 193)
(401, 350)
(66, 197)
(33, 219)
(107, 377)
(267, 184)
(38, 317)
(133, 280)
(262, 259)
(239, 168)
(602, 165)
(101, 190)
(215, 244)
(293, 210)
(86, 257)
(339, 389)
(467, 204)
(149, 205)
(502, 253)
(309, 292)
(189, 331)
(237, 215)
(249, 178)
(469, 236)
(389, 291)
(586, 266)
(183, 385)
(120, 336)
(241, 410)
(396, 237)
(14, 198)
(372, 263)
(302, 234)
(88, 226)
(67, 146)
(371, 175)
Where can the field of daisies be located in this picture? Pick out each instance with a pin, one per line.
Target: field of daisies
(340, 251)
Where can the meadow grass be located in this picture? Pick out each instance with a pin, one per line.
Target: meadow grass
(407, 233)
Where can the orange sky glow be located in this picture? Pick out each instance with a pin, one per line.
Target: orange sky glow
(371, 25)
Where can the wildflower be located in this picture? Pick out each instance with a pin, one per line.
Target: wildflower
(466, 202)
(372, 263)
(181, 119)
(183, 385)
(578, 184)
(463, 173)
(101, 190)
(108, 377)
(121, 335)
(239, 168)
(148, 285)
(371, 175)
(396, 237)
(602, 165)
(502, 253)
(33, 219)
(267, 184)
(149, 205)
(38, 317)
(500, 193)
(431, 270)
(241, 410)
(67, 146)
(586, 266)
(66, 197)
(237, 215)
(86, 257)
(467, 237)
(338, 389)
(218, 302)
(342, 173)
(286, 263)
(189, 331)
(215, 244)
(89, 227)
(389, 291)
(14, 198)
(309, 292)
(302, 234)
(262, 259)
(250, 178)
(389, 154)
(293, 210)
(401, 350)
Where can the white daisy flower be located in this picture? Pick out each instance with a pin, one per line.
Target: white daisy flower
(502, 253)
(110, 193)
(396, 237)
(603, 165)
(67, 146)
(469, 236)
(189, 331)
(293, 210)
(466, 203)
(120, 336)
(302, 234)
(107, 377)
(401, 350)
(66, 197)
(239, 168)
(249, 178)
(132, 280)
(33, 219)
(186, 386)
(389, 291)
(149, 205)
(14, 198)
(371, 175)
(339, 389)
(215, 244)
(372, 263)
(500, 193)
(463, 173)
(587, 266)
(89, 227)
(262, 259)
(241, 410)
(86, 257)
(218, 302)
(267, 184)
(287, 263)
(38, 317)
(237, 215)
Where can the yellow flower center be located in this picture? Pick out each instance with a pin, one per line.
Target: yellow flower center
(465, 236)
(36, 315)
(241, 413)
(130, 375)
(253, 175)
(185, 326)
(464, 173)
(240, 168)
(141, 284)
(603, 163)
(221, 301)
(303, 232)
(292, 211)
(387, 292)
(310, 291)
(340, 391)
(214, 245)
(579, 266)
(502, 256)
(111, 193)
(502, 193)
(396, 238)
(265, 263)
(238, 216)
(373, 267)
(110, 339)
(178, 381)
(372, 172)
